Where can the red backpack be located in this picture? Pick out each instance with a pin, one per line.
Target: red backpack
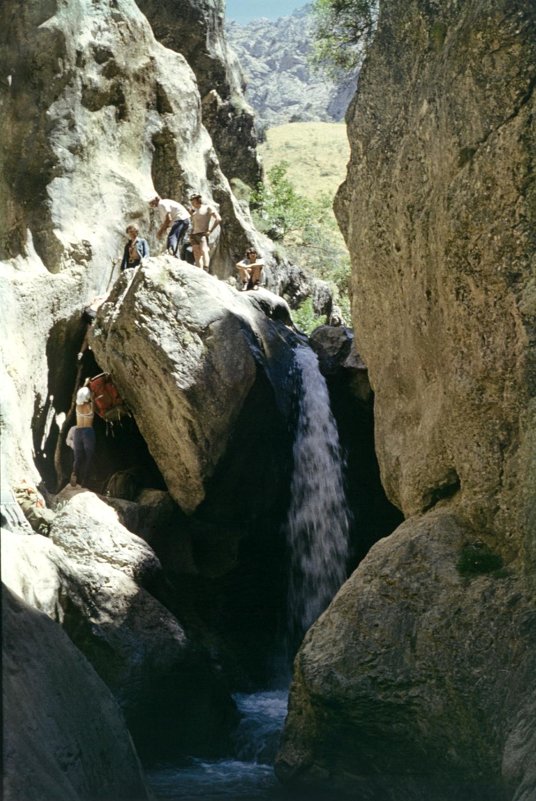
(107, 401)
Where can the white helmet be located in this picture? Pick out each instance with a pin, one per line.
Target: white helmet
(83, 395)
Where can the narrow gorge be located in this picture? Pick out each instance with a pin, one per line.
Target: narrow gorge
(344, 522)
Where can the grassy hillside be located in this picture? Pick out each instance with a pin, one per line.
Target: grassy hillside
(317, 153)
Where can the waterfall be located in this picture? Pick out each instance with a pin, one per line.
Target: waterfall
(318, 518)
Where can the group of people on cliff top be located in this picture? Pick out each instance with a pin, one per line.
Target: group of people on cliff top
(200, 220)
(175, 221)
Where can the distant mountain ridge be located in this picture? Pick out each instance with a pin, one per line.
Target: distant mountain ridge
(281, 86)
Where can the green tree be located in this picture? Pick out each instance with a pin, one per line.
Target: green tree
(281, 212)
(341, 31)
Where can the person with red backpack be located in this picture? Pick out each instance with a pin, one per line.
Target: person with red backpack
(83, 437)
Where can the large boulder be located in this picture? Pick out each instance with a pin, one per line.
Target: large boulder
(90, 576)
(183, 350)
(64, 736)
(418, 682)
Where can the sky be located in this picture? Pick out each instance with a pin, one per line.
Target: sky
(246, 10)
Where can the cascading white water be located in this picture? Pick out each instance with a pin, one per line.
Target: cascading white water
(318, 518)
(317, 531)
(248, 776)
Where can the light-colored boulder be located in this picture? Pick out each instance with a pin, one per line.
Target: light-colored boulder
(181, 347)
(64, 738)
(90, 534)
(88, 576)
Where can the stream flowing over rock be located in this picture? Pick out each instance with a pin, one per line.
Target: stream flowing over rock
(169, 571)
(419, 680)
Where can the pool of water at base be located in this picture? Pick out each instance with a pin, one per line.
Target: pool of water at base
(248, 775)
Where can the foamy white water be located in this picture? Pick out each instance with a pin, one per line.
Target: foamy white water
(318, 518)
(248, 776)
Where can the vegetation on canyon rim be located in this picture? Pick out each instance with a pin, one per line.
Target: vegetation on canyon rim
(342, 30)
(308, 231)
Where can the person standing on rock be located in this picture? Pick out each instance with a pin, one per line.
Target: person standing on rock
(136, 249)
(174, 218)
(204, 220)
(250, 269)
(83, 437)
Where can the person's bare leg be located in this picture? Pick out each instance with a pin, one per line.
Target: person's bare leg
(197, 253)
(256, 276)
(205, 259)
(244, 276)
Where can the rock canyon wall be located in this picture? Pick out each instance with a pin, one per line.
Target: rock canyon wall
(418, 682)
(97, 115)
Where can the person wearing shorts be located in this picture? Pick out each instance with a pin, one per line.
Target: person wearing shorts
(204, 220)
(250, 269)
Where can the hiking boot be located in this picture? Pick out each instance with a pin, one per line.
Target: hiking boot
(73, 480)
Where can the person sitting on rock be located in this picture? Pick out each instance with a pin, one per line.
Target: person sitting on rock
(174, 219)
(83, 437)
(202, 214)
(250, 269)
(136, 249)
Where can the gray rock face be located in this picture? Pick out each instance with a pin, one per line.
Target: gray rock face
(123, 116)
(280, 84)
(195, 29)
(91, 576)
(64, 736)
(442, 256)
(418, 682)
(429, 676)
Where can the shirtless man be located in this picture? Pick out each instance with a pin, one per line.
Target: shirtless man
(174, 218)
(250, 269)
(83, 438)
(202, 215)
